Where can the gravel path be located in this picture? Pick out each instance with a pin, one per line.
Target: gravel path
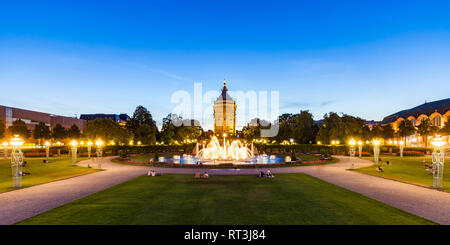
(428, 203)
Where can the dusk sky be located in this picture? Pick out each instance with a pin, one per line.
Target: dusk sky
(366, 60)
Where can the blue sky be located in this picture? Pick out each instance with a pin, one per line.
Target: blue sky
(368, 59)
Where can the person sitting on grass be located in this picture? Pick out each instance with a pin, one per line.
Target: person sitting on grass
(269, 174)
(205, 175)
(388, 163)
(379, 169)
(261, 174)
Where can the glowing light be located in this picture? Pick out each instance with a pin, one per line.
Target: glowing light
(131, 142)
(319, 143)
(352, 142)
(390, 142)
(360, 142)
(89, 143)
(5, 144)
(99, 142)
(139, 143)
(438, 141)
(401, 142)
(74, 143)
(376, 142)
(235, 151)
(16, 141)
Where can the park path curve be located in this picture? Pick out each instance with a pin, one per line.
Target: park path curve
(24, 203)
(427, 203)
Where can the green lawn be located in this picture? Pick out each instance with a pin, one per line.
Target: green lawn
(236, 200)
(58, 168)
(408, 169)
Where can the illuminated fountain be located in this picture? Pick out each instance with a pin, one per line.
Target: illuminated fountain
(234, 151)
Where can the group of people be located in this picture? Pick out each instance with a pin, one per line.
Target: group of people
(199, 176)
(429, 167)
(152, 173)
(267, 175)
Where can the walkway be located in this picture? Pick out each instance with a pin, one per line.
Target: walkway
(24, 203)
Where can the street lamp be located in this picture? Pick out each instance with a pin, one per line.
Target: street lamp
(352, 144)
(47, 151)
(5, 149)
(16, 161)
(74, 148)
(376, 150)
(402, 146)
(99, 144)
(360, 144)
(89, 144)
(438, 157)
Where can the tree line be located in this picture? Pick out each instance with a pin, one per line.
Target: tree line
(299, 127)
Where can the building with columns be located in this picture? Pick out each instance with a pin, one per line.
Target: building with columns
(224, 113)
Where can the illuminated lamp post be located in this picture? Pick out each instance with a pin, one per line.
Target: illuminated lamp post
(16, 161)
(99, 144)
(89, 144)
(74, 149)
(360, 144)
(352, 144)
(5, 149)
(438, 158)
(376, 151)
(402, 146)
(47, 151)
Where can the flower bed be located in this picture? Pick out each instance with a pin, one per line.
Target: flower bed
(412, 153)
(37, 154)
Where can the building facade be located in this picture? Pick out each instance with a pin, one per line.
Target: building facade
(32, 118)
(224, 114)
(437, 111)
(122, 119)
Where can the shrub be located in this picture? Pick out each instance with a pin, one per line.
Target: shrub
(412, 153)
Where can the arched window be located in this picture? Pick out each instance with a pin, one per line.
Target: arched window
(437, 120)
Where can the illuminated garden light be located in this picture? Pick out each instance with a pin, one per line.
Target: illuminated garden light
(89, 144)
(47, 151)
(352, 144)
(5, 149)
(74, 149)
(16, 161)
(376, 150)
(438, 158)
(401, 145)
(360, 144)
(99, 144)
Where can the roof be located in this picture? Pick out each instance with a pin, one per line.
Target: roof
(440, 106)
(224, 95)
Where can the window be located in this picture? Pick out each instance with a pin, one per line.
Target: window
(437, 120)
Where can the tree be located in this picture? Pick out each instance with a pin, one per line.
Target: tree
(140, 116)
(42, 131)
(146, 134)
(2, 129)
(168, 134)
(446, 129)
(304, 128)
(74, 132)
(107, 130)
(19, 127)
(59, 132)
(406, 128)
(376, 132)
(388, 132)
